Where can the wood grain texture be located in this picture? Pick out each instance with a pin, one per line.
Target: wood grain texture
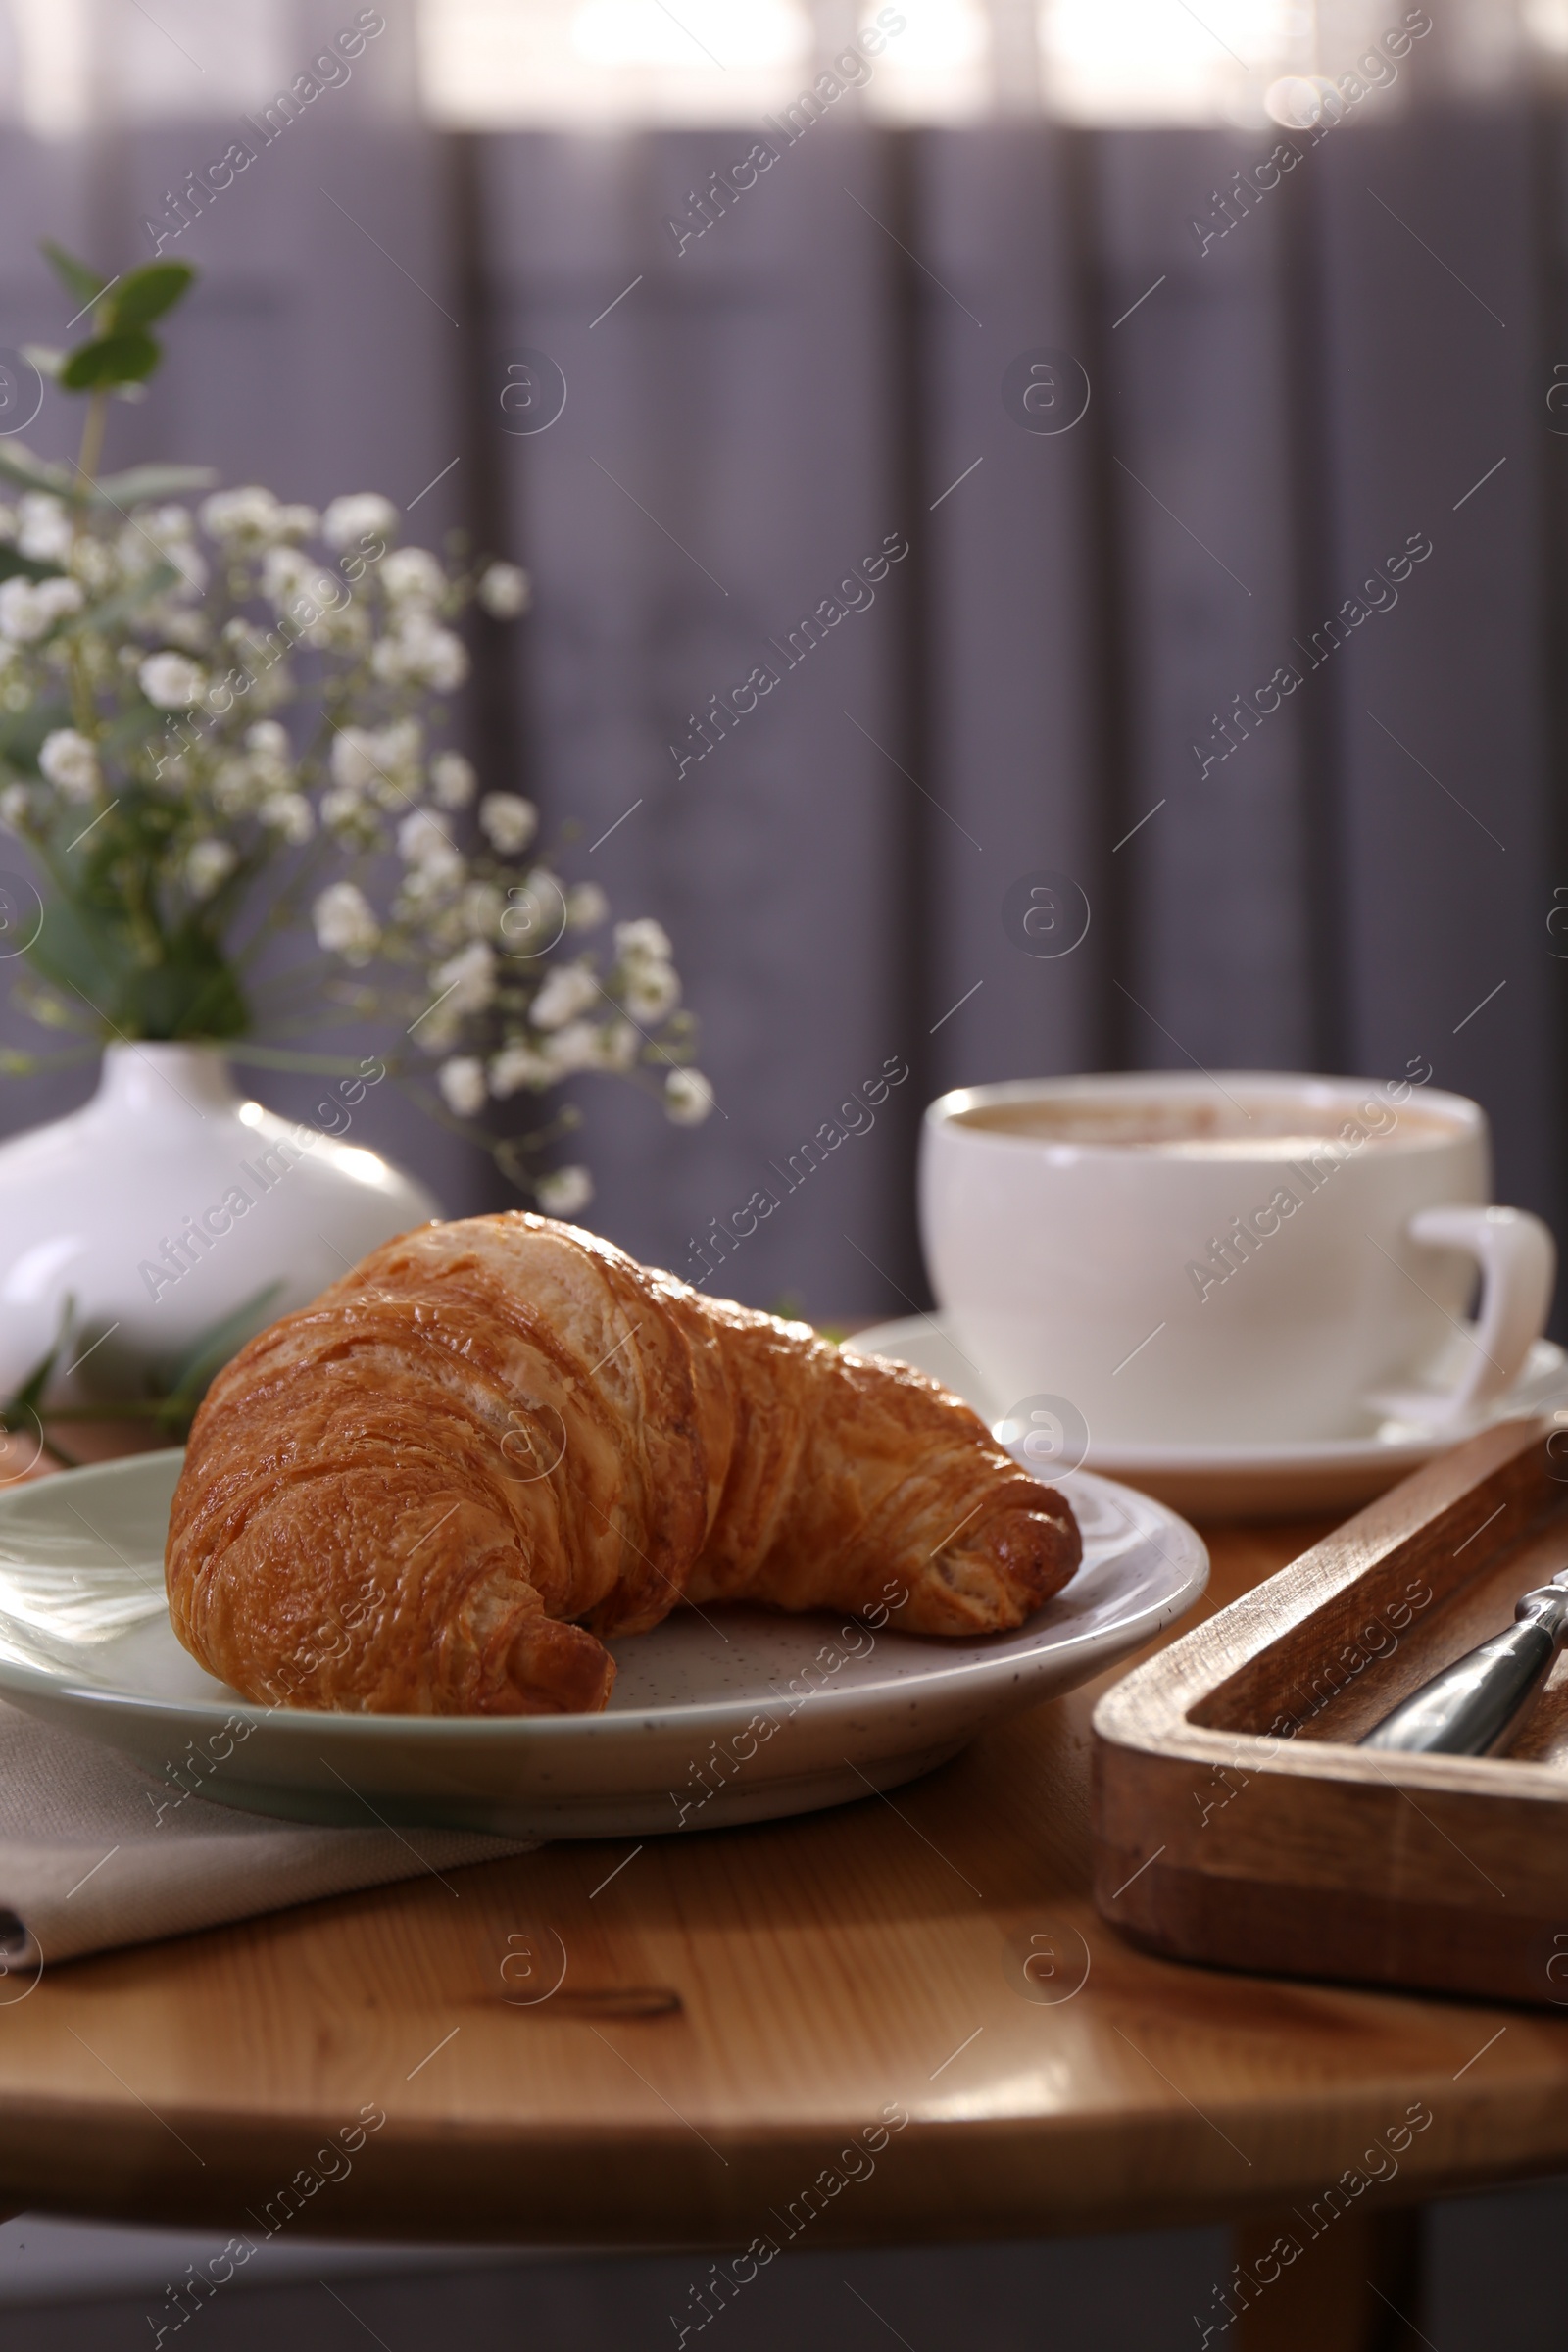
(738, 2009)
(1237, 1821)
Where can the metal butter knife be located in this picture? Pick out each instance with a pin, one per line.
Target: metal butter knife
(1475, 1706)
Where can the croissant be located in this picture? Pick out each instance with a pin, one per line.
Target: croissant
(403, 1497)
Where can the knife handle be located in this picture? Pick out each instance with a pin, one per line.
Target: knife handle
(1474, 1705)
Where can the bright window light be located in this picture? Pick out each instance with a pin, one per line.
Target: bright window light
(498, 64)
(938, 68)
(45, 57)
(511, 64)
(1156, 61)
(638, 33)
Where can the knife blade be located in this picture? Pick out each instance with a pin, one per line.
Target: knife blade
(1476, 1706)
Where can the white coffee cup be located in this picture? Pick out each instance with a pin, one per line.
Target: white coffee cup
(1246, 1259)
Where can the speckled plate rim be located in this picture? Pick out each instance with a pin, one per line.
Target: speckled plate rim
(1035, 1652)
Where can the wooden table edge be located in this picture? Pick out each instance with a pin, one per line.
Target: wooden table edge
(1023, 2176)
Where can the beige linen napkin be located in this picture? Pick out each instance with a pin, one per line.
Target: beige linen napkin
(93, 1854)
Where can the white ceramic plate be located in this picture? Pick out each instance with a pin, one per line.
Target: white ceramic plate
(1238, 1482)
(739, 1716)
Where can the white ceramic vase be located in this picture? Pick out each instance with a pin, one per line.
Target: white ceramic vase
(168, 1203)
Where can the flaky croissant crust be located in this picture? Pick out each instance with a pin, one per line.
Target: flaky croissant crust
(402, 1497)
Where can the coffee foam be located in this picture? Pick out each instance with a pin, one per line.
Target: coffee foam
(1284, 1129)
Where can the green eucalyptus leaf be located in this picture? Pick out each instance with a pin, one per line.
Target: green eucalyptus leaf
(113, 612)
(27, 567)
(77, 277)
(84, 948)
(122, 357)
(18, 464)
(21, 733)
(79, 952)
(191, 994)
(214, 1347)
(141, 485)
(147, 293)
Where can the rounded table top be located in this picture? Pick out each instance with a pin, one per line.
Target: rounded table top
(899, 2020)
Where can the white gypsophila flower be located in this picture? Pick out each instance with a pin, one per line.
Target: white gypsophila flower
(354, 759)
(462, 1081)
(567, 991)
(134, 554)
(192, 568)
(344, 813)
(207, 865)
(289, 813)
(576, 1047)
(503, 591)
(452, 779)
(70, 762)
(300, 521)
(332, 622)
(285, 570)
(419, 654)
(467, 980)
(436, 1028)
(363, 515)
(482, 910)
(171, 681)
(186, 559)
(267, 740)
(249, 518)
(30, 609)
(516, 1066)
(271, 774)
(688, 1098)
(565, 1192)
(400, 746)
(424, 897)
(413, 575)
(92, 563)
(425, 842)
(382, 762)
(167, 525)
(617, 1046)
(650, 990)
(161, 536)
(345, 924)
(507, 821)
(586, 907)
(256, 651)
(312, 600)
(236, 788)
(16, 806)
(182, 624)
(643, 939)
(43, 528)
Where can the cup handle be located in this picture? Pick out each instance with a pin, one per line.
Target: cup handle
(1518, 1262)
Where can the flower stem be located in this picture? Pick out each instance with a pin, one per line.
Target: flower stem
(92, 434)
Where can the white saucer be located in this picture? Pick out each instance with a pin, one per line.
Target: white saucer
(1238, 1482)
(86, 1643)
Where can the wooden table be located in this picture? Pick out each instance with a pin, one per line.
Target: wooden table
(743, 2014)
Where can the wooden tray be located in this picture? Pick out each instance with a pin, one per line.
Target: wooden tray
(1234, 1822)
